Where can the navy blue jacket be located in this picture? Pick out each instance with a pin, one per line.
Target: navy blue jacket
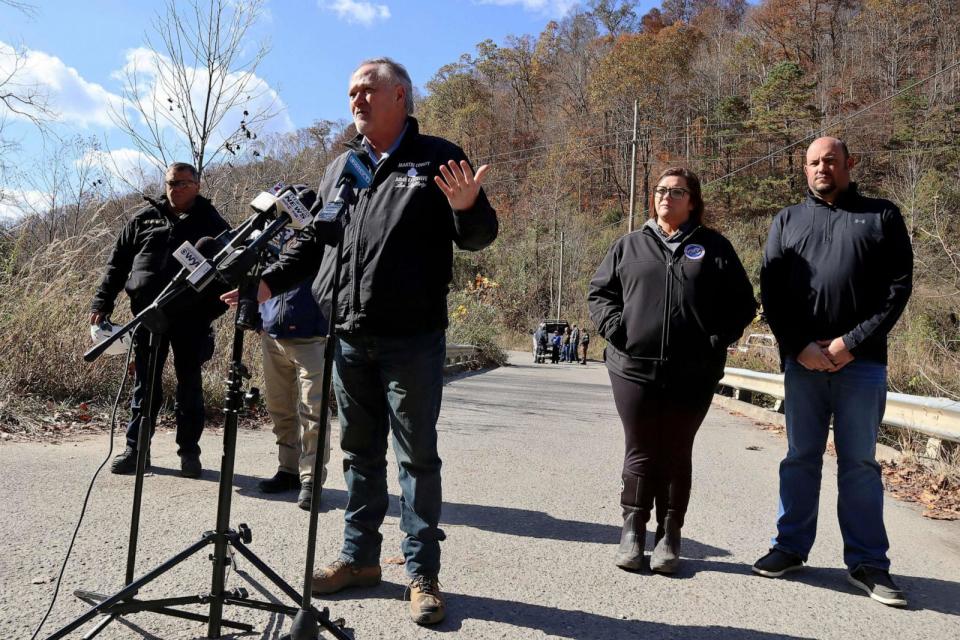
(294, 313)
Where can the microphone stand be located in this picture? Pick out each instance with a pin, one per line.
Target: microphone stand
(306, 623)
(223, 538)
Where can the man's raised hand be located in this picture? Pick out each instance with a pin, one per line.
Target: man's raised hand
(460, 184)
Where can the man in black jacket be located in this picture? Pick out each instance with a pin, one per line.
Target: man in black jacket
(836, 275)
(142, 264)
(391, 318)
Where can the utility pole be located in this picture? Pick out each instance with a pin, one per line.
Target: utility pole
(633, 166)
(560, 278)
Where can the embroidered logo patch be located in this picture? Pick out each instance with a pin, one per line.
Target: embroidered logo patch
(694, 251)
(412, 172)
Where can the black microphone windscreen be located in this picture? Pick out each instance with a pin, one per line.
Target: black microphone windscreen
(209, 247)
(305, 195)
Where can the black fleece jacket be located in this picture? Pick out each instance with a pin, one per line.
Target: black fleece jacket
(142, 261)
(841, 270)
(669, 316)
(398, 243)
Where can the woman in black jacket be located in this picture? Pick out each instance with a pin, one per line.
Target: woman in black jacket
(669, 299)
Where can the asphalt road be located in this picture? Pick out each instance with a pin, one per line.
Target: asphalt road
(531, 480)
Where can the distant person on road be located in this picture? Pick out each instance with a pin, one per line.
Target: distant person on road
(836, 275)
(142, 264)
(667, 345)
(542, 343)
(565, 345)
(555, 345)
(574, 344)
(585, 343)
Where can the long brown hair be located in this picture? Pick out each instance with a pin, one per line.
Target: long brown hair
(693, 184)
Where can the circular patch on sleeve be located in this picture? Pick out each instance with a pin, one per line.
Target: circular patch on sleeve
(694, 251)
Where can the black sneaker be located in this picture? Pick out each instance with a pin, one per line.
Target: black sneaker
(776, 563)
(126, 462)
(877, 584)
(190, 466)
(305, 499)
(280, 482)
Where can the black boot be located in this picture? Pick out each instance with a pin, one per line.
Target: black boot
(635, 516)
(630, 552)
(666, 554)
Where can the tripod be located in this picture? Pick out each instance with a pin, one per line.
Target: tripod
(124, 602)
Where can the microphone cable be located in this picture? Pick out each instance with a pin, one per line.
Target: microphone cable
(86, 499)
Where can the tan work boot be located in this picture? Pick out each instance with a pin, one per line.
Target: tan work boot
(342, 574)
(426, 601)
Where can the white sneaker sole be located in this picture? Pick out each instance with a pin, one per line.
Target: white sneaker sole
(890, 602)
(776, 574)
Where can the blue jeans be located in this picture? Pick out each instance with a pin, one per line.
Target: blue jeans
(384, 385)
(855, 396)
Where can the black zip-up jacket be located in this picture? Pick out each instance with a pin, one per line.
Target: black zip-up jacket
(669, 316)
(397, 246)
(142, 261)
(842, 270)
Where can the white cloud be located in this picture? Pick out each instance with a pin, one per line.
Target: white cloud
(129, 165)
(548, 7)
(357, 11)
(16, 203)
(75, 100)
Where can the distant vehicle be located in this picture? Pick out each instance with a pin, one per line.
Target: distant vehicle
(541, 354)
(754, 342)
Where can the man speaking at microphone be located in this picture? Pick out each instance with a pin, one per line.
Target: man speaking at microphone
(142, 263)
(391, 318)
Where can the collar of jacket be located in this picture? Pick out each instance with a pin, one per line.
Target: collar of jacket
(686, 235)
(200, 205)
(845, 198)
(413, 131)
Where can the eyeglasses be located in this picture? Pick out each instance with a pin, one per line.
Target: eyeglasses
(676, 193)
(180, 184)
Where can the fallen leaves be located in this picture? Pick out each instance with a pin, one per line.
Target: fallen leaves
(939, 493)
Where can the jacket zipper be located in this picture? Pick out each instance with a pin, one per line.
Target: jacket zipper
(360, 216)
(668, 303)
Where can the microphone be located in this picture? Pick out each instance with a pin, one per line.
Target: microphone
(197, 269)
(291, 203)
(355, 175)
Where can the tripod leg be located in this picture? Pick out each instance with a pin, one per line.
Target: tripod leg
(130, 589)
(100, 627)
(143, 451)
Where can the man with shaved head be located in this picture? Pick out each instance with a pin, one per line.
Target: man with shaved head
(836, 275)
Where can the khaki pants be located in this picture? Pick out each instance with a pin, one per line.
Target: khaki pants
(293, 371)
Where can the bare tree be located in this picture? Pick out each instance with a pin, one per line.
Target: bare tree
(67, 188)
(19, 99)
(198, 93)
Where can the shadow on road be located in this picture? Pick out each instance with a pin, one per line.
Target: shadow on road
(559, 623)
(505, 520)
(931, 594)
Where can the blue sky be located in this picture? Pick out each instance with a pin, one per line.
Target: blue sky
(77, 49)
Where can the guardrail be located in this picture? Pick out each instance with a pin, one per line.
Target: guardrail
(934, 417)
(460, 354)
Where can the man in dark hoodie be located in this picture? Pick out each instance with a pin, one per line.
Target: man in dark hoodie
(142, 264)
(836, 275)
